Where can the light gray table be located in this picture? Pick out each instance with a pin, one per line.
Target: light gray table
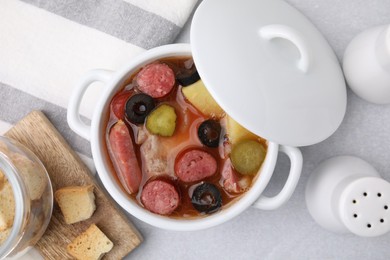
(290, 232)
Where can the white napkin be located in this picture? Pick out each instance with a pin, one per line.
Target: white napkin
(47, 46)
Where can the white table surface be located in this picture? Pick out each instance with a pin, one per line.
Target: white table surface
(290, 232)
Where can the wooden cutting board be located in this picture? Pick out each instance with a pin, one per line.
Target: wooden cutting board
(65, 169)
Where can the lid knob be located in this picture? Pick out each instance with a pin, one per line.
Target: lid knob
(271, 31)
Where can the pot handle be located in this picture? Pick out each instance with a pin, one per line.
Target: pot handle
(270, 203)
(73, 115)
(271, 31)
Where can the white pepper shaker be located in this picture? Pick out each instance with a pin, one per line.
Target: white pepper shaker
(366, 65)
(346, 194)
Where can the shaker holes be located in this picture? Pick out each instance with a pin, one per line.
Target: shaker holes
(386, 207)
(369, 225)
(379, 195)
(355, 215)
(382, 220)
(365, 194)
(354, 201)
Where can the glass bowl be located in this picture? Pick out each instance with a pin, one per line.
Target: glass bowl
(26, 190)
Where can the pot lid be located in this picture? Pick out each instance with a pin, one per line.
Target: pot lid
(270, 69)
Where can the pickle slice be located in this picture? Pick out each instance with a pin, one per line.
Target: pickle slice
(162, 121)
(247, 156)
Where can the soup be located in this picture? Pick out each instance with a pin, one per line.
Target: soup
(172, 148)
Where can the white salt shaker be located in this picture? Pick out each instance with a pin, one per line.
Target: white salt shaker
(346, 194)
(366, 65)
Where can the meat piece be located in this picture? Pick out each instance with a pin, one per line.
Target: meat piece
(154, 157)
(142, 135)
(161, 197)
(156, 80)
(232, 181)
(195, 165)
(230, 178)
(124, 158)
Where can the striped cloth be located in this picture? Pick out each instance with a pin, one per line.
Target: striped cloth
(46, 46)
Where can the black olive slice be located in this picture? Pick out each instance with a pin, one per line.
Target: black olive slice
(138, 107)
(186, 79)
(209, 133)
(206, 198)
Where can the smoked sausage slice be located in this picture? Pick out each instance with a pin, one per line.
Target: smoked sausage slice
(160, 196)
(124, 158)
(195, 165)
(156, 80)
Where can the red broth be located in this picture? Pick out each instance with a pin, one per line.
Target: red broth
(185, 137)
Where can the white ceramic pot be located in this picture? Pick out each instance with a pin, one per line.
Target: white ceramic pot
(96, 132)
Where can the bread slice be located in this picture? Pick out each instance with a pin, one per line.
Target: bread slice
(77, 203)
(34, 175)
(7, 206)
(4, 234)
(2, 180)
(90, 245)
